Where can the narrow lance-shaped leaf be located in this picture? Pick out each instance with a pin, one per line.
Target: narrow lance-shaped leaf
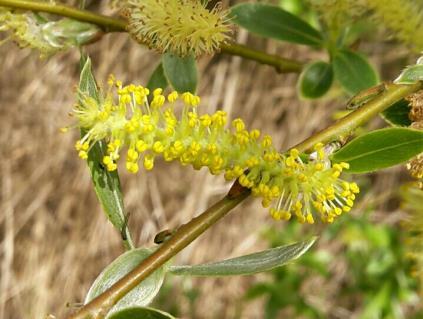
(315, 80)
(353, 71)
(181, 73)
(274, 22)
(249, 264)
(141, 313)
(380, 149)
(106, 184)
(142, 294)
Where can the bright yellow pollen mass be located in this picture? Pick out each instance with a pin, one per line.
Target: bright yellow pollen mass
(289, 184)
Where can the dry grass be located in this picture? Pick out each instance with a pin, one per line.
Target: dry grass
(54, 237)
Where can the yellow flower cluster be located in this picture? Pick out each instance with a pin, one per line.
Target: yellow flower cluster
(181, 27)
(127, 121)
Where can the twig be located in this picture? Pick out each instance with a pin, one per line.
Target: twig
(190, 231)
(109, 24)
(347, 124)
(185, 234)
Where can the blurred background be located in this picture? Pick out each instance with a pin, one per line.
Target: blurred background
(55, 240)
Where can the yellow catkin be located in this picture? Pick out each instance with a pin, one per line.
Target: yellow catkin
(287, 184)
(181, 27)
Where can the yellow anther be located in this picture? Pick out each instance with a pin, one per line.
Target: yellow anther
(111, 80)
(205, 120)
(238, 124)
(285, 215)
(321, 198)
(266, 202)
(267, 141)
(294, 153)
(290, 162)
(111, 167)
(158, 101)
(310, 219)
(78, 145)
(117, 143)
(131, 88)
(298, 205)
(337, 211)
(141, 146)
(195, 100)
(349, 202)
(148, 162)
(107, 160)
(85, 146)
(132, 155)
(318, 146)
(337, 167)
(354, 188)
(346, 208)
(132, 167)
(187, 97)
(158, 147)
(319, 166)
(252, 161)
(302, 178)
(329, 190)
(255, 134)
(157, 92)
(83, 154)
(125, 99)
(212, 148)
(275, 191)
(172, 97)
(336, 174)
(345, 165)
(276, 215)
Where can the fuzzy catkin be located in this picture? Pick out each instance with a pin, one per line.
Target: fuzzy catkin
(181, 27)
(288, 184)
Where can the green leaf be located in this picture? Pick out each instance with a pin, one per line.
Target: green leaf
(397, 114)
(315, 80)
(380, 149)
(141, 313)
(106, 184)
(411, 74)
(249, 264)
(142, 294)
(353, 71)
(157, 79)
(273, 22)
(181, 73)
(87, 82)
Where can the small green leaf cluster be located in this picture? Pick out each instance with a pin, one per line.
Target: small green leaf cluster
(352, 70)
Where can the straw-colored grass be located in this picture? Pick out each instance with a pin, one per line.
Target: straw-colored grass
(54, 236)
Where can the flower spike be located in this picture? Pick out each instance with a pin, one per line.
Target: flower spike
(288, 184)
(181, 27)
